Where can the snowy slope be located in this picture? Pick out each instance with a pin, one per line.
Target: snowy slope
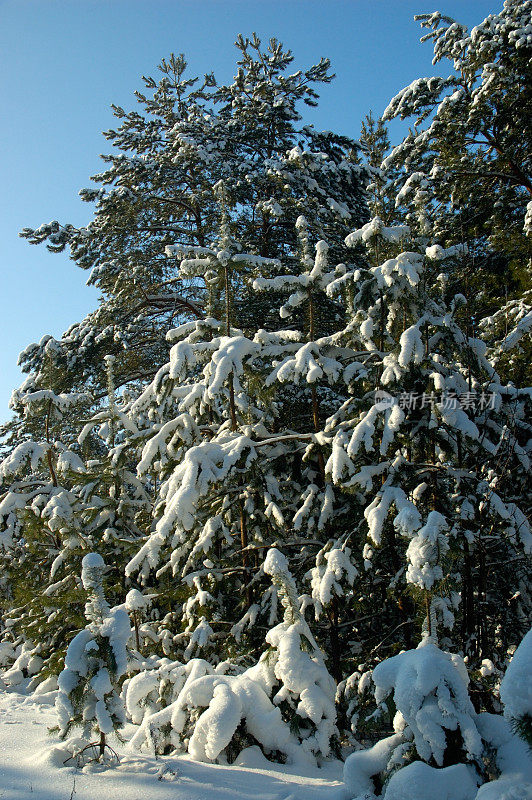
(27, 770)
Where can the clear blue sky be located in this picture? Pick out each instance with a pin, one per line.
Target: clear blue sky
(65, 61)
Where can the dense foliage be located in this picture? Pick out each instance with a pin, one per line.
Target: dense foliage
(295, 428)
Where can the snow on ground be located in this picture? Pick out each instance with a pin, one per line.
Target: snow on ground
(28, 771)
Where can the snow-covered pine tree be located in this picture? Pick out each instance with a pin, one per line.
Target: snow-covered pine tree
(368, 407)
(95, 661)
(469, 153)
(284, 703)
(515, 690)
(277, 167)
(439, 739)
(295, 662)
(201, 418)
(116, 505)
(262, 433)
(382, 189)
(40, 522)
(58, 506)
(157, 191)
(431, 432)
(307, 377)
(436, 736)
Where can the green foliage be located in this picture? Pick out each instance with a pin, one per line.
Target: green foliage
(522, 726)
(206, 217)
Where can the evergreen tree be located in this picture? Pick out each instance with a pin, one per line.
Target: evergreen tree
(468, 156)
(95, 661)
(284, 703)
(257, 381)
(515, 690)
(158, 191)
(40, 525)
(382, 190)
(306, 688)
(431, 423)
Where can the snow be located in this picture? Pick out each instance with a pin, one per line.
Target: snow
(308, 363)
(361, 765)
(431, 697)
(136, 601)
(207, 706)
(408, 518)
(505, 789)
(225, 701)
(225, 361)
(16, 461)
(327, 574)
(275, 562)
(412, 347)
(406, 265)
(424, 550)
(516, 686)
(305, 677)
(61, 401)
(202, 465)
(376, 227)
(456, 417)
(26, 662)
(31, 765)
(450, 783)
(87, 661)
(513, 757)
(90, 561)
(116, 628)
(437, 253)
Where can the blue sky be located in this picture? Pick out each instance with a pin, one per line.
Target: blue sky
(65, 61)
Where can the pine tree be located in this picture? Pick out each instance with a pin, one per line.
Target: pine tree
(95, 660)
(59, 505)
(431, 423)
(296, 662)
(40, 523)
(157, 191)
(469, 153)
(383, 188)
(255, 381)
(284, 702)
(210, 416)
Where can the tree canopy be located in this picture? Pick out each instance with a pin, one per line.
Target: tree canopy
(297, 427)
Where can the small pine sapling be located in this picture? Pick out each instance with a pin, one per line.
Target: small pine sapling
(216, 713)
(95, 660)
(436, 730)
(297, 664)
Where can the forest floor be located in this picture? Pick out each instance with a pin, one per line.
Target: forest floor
(31, 769)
